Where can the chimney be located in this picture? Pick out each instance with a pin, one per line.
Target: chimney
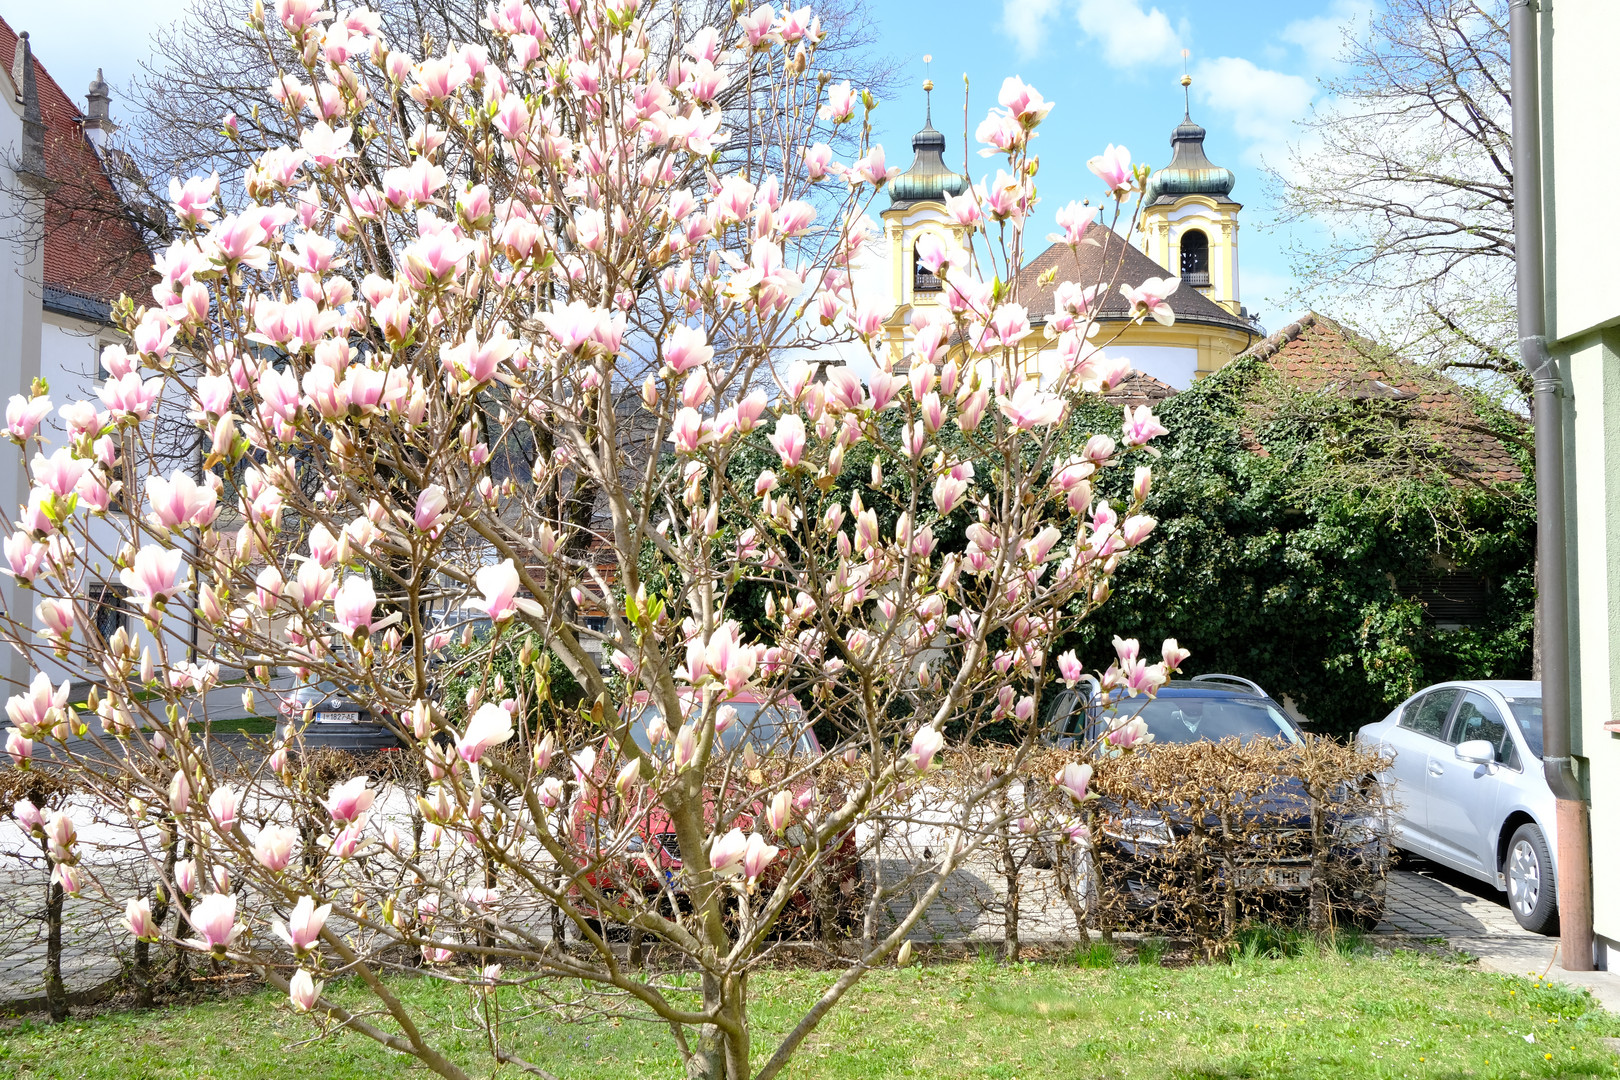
(98, 123)
(30, 166)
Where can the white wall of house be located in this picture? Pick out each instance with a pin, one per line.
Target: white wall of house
(1583, 233)
(21, 269)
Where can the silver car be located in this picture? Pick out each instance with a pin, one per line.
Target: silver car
(1469, 788)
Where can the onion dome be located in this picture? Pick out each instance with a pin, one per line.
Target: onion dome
(1190, 172)
(929, 179)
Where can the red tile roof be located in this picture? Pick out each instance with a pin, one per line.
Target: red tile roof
(1316, 354)
(1140, 388)
(1112, 260)
(91, 248)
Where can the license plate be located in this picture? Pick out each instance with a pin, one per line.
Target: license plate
(1273, 877)
(337, 718)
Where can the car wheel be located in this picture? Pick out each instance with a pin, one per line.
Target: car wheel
(1532, 892)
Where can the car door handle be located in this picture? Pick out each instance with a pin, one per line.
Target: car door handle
(1436, 769)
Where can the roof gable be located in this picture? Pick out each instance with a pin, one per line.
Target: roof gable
(1111, 259)
(92, 250)
(1318, 355)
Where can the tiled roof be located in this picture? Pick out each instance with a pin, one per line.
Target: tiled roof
(1140, 388)
(1112, 260)
(92, 252)
(1316, 354)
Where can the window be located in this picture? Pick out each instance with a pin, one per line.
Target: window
(109, 609)
(1477, 718)
(1195, 258)
(1427, 715)
(1527, 711)
(922, 278)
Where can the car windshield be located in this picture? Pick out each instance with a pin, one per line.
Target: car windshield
(769, 728)
(1198, 719)
(1527, 711)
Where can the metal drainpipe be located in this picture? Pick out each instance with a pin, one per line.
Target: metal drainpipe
(1574, 839)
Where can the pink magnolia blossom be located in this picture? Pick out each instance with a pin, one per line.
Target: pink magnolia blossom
(1113, 168)
(1031, 407)
(354, 604)
(1023, 102)
(1131, 733)
(223, 804)
(1141, 426)
(180, 501)
(1070, 668)
(686, 747)
(57, 615)
(1174, 654)
(1149, 298)
(23, 415)
(214, 919)
(304, 990)
(138, 919)
(924, 746)
(430, 504)
(490, 726)
(757, 856)
(726, 853)
(273, 847)
(499, 584)
(19, 746)
(1074, 219)
(348, 800)
(686, 348)
(192, 200)
(780, 811)
(788, 439)
(303, 927)
(1136, 528)
(155, 575)
(1073, 779)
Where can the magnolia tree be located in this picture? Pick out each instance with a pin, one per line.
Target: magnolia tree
(782, 663)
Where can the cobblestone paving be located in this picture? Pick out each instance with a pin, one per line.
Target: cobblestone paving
(1430, 901)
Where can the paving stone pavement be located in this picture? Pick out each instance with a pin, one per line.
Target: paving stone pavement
(1431, 901)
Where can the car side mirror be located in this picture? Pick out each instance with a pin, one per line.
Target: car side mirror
(1476, 752)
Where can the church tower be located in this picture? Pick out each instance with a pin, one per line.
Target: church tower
(1189, 221)
(917, 207)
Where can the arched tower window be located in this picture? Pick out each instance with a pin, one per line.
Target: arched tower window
(1195, 258)
(922, 278)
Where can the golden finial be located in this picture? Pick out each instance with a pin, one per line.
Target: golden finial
(1186, 82)
(928, 88)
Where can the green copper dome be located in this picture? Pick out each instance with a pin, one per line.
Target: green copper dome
(929, 179)
(1189, 171)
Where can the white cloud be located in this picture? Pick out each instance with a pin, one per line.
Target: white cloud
(1025, 22)
(1321, 39)
(1261, 105)
(1127, 35)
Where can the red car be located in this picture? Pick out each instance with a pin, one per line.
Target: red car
(651, 863)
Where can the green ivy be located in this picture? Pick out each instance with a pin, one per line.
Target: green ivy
(1282, 558)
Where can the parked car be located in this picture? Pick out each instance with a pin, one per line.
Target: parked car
(338, 717)
(1468, 790)
(1136, 850)
(652, 862)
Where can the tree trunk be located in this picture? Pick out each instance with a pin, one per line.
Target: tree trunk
(1010, 872)
(718, 1055)
(56, 1002)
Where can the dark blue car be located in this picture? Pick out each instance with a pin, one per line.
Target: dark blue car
(1137, 847)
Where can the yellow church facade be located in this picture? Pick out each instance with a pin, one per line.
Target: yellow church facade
(1188, 228)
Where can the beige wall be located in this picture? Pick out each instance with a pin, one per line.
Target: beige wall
(1580, 99)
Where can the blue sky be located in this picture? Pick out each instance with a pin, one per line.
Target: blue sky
(1110, 65)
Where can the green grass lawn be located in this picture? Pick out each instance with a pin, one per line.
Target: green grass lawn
(1319, 1016)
